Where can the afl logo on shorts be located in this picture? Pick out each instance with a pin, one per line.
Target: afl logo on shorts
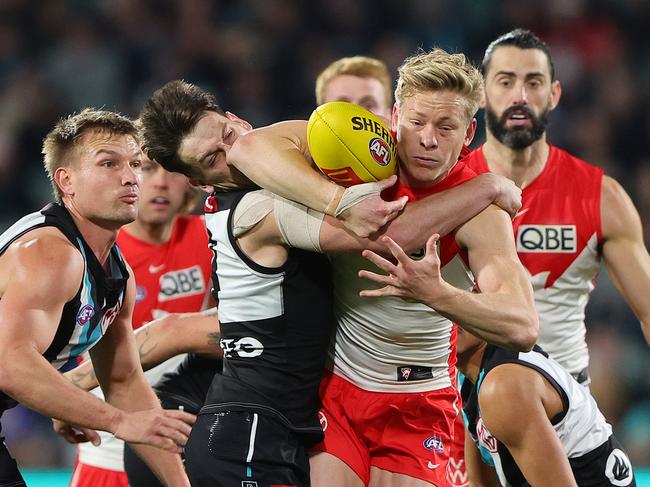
(84, 314)
(618, 468)
(434, 443)
(379, 151)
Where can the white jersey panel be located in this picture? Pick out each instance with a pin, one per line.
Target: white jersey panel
(262, 292)
(561, 309)
(583, 428)
(376, 336)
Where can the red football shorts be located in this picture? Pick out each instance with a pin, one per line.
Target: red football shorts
(456, 469)
(405, 433)
(90, 476)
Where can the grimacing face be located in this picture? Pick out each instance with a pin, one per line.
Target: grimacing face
(102, 179)
(431, 127)
(206, 147)
(162, 194)
(519, 94)
(366, 92)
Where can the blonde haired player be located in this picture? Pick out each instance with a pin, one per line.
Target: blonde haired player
(361, 80)
(389, 403)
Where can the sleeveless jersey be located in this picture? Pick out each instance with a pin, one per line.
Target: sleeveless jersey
(581, 427)
(389, 344)
(173, 277)
(276, 325)
(86, 317)
(558, 233)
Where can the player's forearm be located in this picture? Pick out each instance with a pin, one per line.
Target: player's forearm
(178, 333)
(28, 378)
(503, 319)
(277, 162)
(167, 466)
(440, 213)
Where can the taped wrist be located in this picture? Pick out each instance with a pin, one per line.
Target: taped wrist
(356, 194)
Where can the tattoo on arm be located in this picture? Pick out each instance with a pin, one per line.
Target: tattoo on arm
(213, 338)
(147, 344)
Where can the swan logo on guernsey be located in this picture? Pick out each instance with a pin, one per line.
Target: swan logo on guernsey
(547, 238)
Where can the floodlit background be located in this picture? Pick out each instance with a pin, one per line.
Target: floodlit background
(261, 58)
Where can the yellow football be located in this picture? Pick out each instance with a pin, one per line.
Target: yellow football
(350, 144)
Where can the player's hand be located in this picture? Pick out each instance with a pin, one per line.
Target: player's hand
(418, 280)
(508, 194)
(364, 212)
(166, 429)
(76, 434)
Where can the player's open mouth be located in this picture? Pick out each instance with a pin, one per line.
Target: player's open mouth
(160, 201)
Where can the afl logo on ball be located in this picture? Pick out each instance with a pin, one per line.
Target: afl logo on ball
(84, 314)
(380, 151)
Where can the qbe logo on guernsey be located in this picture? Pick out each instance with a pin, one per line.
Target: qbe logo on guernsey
(547, 238)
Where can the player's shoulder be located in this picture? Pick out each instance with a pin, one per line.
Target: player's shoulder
(567, 161)
(46, 256)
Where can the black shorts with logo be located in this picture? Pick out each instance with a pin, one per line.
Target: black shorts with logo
(245, 449)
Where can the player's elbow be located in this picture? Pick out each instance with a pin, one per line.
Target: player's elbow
(527, 332)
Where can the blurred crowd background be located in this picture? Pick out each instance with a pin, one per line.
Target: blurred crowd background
(261, 58)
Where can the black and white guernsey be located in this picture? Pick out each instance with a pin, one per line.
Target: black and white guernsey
(275, 328)
(98, 301)
(595, 455)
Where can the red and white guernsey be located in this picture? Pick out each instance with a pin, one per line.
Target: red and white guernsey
(389, 344)
(173, 277)
(558, 233)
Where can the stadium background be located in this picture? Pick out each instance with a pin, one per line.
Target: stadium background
(261, 58)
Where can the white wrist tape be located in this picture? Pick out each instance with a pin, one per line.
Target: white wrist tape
(356, 194)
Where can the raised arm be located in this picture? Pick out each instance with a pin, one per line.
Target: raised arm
(277, 158)
(502, 313)
(625, 253)
(516, 403)
(162, 339)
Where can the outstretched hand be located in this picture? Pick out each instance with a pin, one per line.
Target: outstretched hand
(369, 212)
(419, 280)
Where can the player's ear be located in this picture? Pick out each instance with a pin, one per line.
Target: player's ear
(240, 121)
(394, 119)
(556, 93)
(471, 131)
(63, 179)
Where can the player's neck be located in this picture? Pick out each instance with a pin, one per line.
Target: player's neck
(469, 361)
(152, 233)
(521, 166)
(98, 237)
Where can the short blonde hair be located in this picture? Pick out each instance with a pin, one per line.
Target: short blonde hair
(67, 132)
(361, 66)
(439, 70)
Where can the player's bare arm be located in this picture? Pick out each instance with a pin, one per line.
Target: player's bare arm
(30, 312)
(516, 403)
(116, 363)
(287, 171)
(502, 313)
(624, 252)
(482, 474)
(162, 339)
(438, 213)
